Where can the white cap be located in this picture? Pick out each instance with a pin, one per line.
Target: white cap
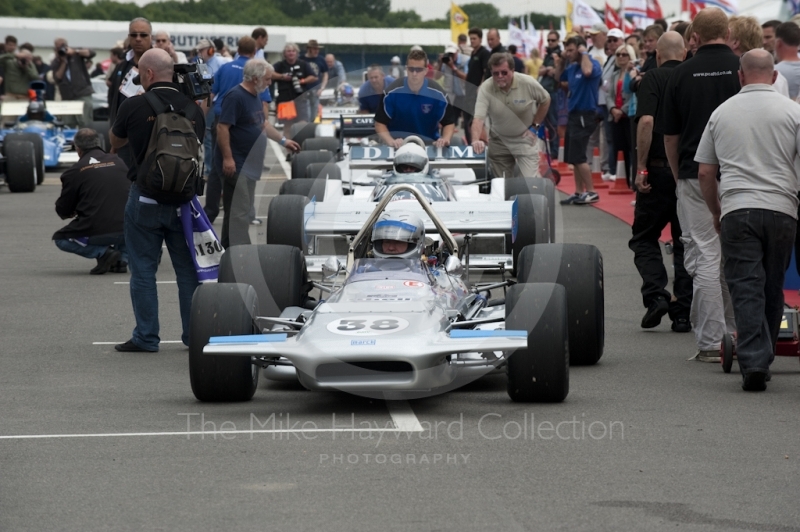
(396, 59)
(451, 49)
(616, 33)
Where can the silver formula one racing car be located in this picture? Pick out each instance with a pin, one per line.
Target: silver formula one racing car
(399, 319)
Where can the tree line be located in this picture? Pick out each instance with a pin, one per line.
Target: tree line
(315, 13)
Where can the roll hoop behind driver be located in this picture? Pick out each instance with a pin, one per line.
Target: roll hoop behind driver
(415, 105)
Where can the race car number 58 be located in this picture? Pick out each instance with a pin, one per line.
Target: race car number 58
(370, 325)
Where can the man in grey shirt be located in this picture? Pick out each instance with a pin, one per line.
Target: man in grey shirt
(787, 39)
(753, 138)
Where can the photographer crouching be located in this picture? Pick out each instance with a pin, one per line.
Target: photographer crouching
(150, 219)
(72, 77)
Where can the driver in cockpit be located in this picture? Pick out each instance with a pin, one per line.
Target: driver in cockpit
(411, 158)
(37, 112)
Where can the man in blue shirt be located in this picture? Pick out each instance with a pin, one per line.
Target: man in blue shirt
(241, 146)
(228, 76)
(371, 92)
(582, 77)
(415, 105)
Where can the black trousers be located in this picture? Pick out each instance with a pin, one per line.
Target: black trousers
(214, 184)
(622, 143)
(652, 213)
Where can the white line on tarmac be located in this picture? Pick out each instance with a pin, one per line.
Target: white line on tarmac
(161, 342)
(403, 416)
(193, 433)
(281, 158)
(265, 195)
(157, 282)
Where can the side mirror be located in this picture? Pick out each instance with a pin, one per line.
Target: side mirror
(453, 266)
(331, 268)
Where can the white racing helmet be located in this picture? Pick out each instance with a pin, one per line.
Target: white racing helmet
(411, 158)
(402, 227)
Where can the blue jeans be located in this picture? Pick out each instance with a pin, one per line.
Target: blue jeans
(147, 227)
(757, 245)
(96, 246)
(551, 123)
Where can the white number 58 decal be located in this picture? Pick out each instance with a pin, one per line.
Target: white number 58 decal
(369, 325)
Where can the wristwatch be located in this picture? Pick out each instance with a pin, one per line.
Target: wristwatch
(283, 141)
(536, 126)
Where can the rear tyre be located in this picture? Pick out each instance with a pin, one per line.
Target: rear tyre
(327, 170)
(302, 131)
(277, 274)
(21, 171)
(301, 161)
(286, 221)
(579, 268)
(540, 372)
(310, 188)
(38, 146)
(532, 225)
(102, 128)
(222, 310)
(517, 186)
(330, 144)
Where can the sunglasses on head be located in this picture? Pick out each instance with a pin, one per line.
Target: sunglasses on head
(416, 70)
(500, 73)
(138, 35)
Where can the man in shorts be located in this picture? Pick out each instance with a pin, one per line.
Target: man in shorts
(582, 77)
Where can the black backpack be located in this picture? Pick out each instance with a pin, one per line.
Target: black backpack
(171, 172)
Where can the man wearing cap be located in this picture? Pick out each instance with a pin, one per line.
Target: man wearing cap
(452, 68)
(396, 69)
(371, 92)
(614, 39)
(207, 52)
(513, 103)
(597, 52)
(320, 68)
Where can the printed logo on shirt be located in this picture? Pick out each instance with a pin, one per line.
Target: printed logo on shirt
(517, 102)
(427, 108)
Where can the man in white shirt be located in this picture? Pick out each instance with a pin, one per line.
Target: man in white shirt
(754, 139)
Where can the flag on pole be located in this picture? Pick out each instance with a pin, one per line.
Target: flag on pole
(459, 22)
(584, 15)
(612, 18)
(634, 8)
(627, 26)
(728, 6)
(654, 9)
(568, 28)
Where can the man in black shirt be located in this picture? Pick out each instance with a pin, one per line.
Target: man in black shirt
(495, 46)
(148, 224)
(478, 64)
(294, 77)
(656, 203)
(547, 76)
(694, 90)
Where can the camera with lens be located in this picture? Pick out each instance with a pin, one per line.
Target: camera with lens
(296, 84)
(62, 50)
(194, 79)
(446, 58)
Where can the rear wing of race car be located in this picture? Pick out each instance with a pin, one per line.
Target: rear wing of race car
(329, 224)
(382, 157)
(60, 108)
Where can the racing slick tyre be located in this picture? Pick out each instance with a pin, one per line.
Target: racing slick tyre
(277, 274)
(21, 171)
(302, 131)
(301, 161)
(102, 128)
(727, 353)
(310, 188)
(38, 146)
(532, 226)
(516, 186)
(330, 144)
(222, 310)
(579, 268)
(286, 221)
(541, 371)
(327, 170)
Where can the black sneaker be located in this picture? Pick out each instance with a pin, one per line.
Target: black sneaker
(130, 347)
(119, 267)
(656, 311)
(570, 200)
(681, 325)
(104, 263)
(754, 382)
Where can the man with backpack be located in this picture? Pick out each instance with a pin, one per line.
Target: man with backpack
(164, 130)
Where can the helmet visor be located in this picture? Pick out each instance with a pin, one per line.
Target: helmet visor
(394, 230)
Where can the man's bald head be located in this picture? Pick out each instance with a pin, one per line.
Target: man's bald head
(670, 47)
(155, 66)
(758, 66)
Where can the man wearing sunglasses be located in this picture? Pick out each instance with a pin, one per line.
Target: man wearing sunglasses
(140, 38)
(513, 103)
(415, 105)
(548, 80)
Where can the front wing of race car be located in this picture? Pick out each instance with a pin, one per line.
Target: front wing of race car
(328, 223)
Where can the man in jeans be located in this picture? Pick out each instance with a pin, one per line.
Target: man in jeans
(149, 224)
(547, 77)
(582, 76)
(754, 139)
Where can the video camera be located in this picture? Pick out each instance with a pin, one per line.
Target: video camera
(195, 79)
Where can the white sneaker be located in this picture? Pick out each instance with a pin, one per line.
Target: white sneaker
(706, 356)
(608, 177)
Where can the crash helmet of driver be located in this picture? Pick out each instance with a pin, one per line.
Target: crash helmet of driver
(402, 227)
(36, 110)
(411, 158)
(347, 90)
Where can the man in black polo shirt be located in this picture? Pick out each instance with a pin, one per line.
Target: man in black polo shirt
(478, 64)
(656, 203)
(694, 90)
(148, 224)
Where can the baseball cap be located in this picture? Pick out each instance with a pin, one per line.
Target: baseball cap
(451, 49)
(203, 44)
(396, 59)
(599, 28)
(313, 44)
(616, 33)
